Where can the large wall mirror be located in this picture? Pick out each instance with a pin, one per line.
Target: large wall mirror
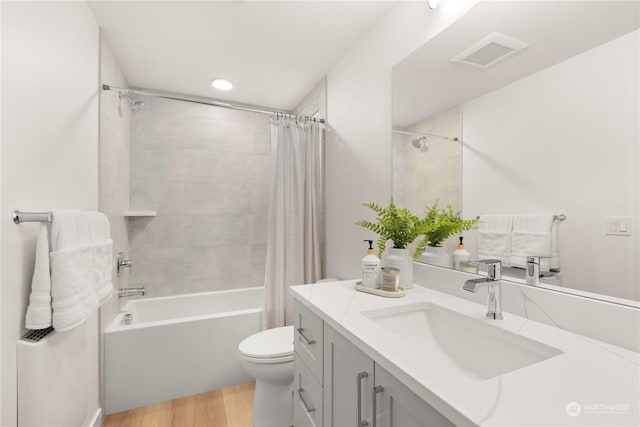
(550, 127)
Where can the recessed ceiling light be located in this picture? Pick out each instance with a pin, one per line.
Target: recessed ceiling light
(222, 84)
(433, 3)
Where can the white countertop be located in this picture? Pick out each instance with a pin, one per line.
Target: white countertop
(602, 378)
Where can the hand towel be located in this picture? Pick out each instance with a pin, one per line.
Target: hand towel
(554, 261)
(494, 237)
(39, 310)
(535, 235)
(80, 258)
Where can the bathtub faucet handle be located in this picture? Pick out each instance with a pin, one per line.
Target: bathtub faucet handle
(122, 263)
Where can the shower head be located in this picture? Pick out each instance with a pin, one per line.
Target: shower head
(420, 143)
(135, 105)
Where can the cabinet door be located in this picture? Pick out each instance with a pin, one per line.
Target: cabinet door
(348, 378)
(307, 397)
(397, 406)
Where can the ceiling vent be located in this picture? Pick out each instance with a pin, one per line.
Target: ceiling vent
(489, 50)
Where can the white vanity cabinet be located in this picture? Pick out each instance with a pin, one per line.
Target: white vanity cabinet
(334, 383)
(348, 381)
(406, 362)
(352, 380)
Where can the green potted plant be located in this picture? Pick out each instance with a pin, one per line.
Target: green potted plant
(403, 227)
(400, 226)
(393, 223)
(437, 226)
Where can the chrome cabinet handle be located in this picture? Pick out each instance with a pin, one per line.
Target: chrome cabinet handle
(309, 342)
(306, 407)
(377, 389)
(359, 377)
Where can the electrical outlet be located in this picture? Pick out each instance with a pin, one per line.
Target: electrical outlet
(618, 226)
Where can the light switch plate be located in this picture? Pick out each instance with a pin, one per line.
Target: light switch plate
(618, 226)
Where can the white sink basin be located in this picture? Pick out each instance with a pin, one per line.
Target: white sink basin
(479, 349)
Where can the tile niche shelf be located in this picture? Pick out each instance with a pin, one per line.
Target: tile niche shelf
(140, 214)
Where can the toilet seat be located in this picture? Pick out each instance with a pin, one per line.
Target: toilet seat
(266, 360)
(270, 346)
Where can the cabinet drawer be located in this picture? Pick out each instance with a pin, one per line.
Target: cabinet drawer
(307, 397)
(308, 339)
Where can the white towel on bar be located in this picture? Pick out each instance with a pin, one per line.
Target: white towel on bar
(535, 235)
(494, 237)
(39, 310)
(80, 262)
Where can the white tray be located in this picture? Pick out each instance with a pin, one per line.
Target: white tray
(389, 294)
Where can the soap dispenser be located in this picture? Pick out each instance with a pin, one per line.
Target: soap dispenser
(460, 256)
(371, 268)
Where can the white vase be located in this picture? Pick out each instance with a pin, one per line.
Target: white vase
(435, 255)
(400, 259)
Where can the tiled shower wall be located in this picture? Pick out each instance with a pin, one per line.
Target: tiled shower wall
(206, 171)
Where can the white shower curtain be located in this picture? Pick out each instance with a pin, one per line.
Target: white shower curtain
(295, 234)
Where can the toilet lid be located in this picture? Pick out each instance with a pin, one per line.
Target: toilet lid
(276, 342)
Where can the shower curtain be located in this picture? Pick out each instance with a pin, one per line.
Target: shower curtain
(295, 234)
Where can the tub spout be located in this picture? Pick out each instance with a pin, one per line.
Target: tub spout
(128, 292)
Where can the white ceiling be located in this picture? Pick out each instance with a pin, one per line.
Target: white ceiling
(427, 82)
(273, 51)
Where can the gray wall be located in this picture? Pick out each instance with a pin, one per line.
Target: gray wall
(206, 171)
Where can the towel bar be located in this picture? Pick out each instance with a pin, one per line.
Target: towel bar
(558, 217)
(19, 216)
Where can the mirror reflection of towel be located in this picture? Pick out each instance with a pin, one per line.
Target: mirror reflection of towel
(494, 238)
(535, 235)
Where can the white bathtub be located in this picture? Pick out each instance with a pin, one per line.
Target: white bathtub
(178, 346)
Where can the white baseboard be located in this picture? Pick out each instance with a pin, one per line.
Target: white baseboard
(97, 419)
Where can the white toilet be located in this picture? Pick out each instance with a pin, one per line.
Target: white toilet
(268, 357)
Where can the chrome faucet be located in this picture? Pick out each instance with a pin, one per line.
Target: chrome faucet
(129, 292)
(122, 263)
(532, 275)
(492, 282)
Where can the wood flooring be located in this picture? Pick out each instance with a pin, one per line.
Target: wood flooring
(227, 407)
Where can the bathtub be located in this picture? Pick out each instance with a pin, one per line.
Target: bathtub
(178, 346)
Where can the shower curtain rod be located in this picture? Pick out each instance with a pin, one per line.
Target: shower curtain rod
(404, 132)
(204, 101)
